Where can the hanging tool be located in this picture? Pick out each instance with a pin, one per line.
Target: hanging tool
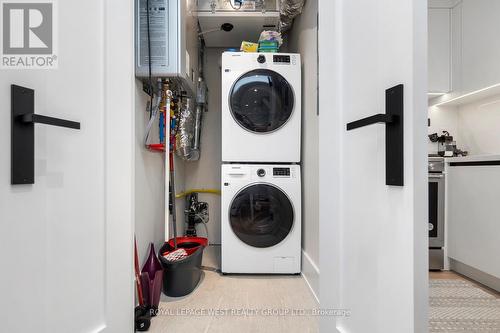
(154, 107)
(172, 184)
(137, 275)
(142, 316)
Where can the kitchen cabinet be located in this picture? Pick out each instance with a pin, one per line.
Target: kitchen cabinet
(473, 215)
(480, 44)
(439, 51)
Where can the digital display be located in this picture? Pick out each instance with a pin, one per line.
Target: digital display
(281, 59)
(281, 172)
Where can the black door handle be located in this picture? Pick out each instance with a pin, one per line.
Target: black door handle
(378, 118)
(394, 130)
(37, 118)
(23, 119)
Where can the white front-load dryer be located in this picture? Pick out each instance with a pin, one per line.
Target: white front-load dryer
(261, 219)
(261, 107)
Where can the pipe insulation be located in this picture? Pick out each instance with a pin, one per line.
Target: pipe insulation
(289, 9)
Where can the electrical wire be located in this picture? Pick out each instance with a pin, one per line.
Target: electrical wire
(204, 222)
(149, 62)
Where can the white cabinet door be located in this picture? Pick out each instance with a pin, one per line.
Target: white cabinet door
(66, 240)
(439, 40)
(480, 44)
(473, 216)
(373, 237)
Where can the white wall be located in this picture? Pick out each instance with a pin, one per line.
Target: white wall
(478, 128)
(149, 183)
(303, 39)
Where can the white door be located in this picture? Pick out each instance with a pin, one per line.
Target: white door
(66, 240)
(373, 237)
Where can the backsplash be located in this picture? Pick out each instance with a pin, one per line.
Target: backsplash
(474, 126)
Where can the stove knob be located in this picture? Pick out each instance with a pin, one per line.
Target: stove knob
(261, 172)
(261, 59)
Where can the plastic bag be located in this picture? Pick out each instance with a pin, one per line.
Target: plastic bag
(271, 36)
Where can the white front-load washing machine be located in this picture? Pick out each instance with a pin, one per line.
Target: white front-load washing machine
(261, 107)
(261, 219)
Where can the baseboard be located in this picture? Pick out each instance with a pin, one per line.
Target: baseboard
(310, 273)
(486, 279)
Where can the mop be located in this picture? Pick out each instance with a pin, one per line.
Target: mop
(175, 254)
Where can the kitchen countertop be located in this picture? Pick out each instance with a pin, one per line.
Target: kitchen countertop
(473, 158)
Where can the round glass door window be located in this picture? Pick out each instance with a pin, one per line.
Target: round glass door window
(261, 101)
(261, 215)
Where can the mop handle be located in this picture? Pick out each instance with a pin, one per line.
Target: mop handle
(172, 184)
(138, 284)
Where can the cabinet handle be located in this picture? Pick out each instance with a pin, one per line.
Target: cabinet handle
(394, 130)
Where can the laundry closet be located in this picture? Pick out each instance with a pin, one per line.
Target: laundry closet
(241, 128)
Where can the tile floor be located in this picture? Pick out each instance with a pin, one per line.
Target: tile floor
(264, 294)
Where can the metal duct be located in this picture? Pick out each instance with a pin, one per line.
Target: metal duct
(185, 133)
(289, 9)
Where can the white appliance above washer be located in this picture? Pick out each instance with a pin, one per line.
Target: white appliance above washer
(248, 20)
(261, 107)
(261, 219)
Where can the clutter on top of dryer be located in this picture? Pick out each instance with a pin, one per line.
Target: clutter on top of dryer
(246, 19)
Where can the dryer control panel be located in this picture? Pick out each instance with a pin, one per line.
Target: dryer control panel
(281, 172)
(281, 59)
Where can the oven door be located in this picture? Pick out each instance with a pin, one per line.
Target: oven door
(436, 210)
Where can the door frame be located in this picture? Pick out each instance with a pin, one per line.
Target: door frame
(118, 62)
(331, 132)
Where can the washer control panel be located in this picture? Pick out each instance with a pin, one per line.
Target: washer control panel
(285, 59)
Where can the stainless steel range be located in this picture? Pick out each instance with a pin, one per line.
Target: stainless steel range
(436, 212)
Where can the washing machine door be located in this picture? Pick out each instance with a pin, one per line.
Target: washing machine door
(261, 215)
(261, 101)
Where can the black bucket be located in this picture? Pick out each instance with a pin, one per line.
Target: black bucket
(181, 277)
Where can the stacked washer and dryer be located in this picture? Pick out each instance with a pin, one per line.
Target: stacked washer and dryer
(261, 183)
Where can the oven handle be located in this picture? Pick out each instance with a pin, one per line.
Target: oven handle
(436, 175)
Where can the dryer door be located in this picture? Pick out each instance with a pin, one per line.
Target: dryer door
(261, 215)
(261, 101)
